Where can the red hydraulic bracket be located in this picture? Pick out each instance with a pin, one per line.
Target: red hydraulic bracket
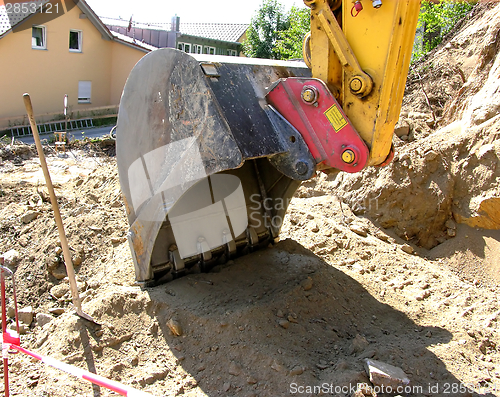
(310, 107)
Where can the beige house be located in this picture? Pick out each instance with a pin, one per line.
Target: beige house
(50, 56)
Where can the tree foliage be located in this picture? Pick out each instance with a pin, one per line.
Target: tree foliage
(275, 34)
(436, 20)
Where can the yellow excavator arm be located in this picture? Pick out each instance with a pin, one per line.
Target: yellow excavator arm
(211, 149)
(362, 51)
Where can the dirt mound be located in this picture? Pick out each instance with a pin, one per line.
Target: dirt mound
(442, 175)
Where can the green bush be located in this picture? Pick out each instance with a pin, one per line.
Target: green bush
(436, 20)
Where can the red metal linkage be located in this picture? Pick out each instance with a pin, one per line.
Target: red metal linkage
(310, 107)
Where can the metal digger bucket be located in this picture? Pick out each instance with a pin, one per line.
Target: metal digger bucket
(206, 166)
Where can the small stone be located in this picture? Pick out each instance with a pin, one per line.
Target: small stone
(284, 324)
(11, 313)
(251, 380)
(407, 248)
(99, 333)
(11, 258)
(402, 130)
(226, 386)
(52, 261)
(77, 259)
(315, 228)
(280, 314)
(23, 241)
(59, 274)
(424, 295)
(58, 250)
(116, 204)
(382, 236)
(359, 344)
(322, 366)
(292, 319)
(484, 150)
(234, 369)
(307, 284)
(118, 240)
(382, 374)
(451, 232)
(297, 371)
(23, 329)
(359, 229)
(277, 367)
(26, 315)
(153, 329)
(175, 327)
(42, 319)
(59, 290)
(30, 216)
(485, 345)
(134, 361)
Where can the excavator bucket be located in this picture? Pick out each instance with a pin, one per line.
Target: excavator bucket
(207, 167)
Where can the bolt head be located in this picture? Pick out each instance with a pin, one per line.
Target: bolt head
(301, 167)
(309, 94)
(356, 85)
(348, 156)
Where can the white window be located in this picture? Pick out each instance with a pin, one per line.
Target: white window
(75, 40)
(209, 50)
(39, 37)
(84, 91)
(186, 47)
(231, 53)
(197, 49)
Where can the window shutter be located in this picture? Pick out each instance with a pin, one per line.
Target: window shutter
(84, 91)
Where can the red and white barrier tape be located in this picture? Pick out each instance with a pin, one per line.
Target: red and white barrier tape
(85, 375)
(11, 341)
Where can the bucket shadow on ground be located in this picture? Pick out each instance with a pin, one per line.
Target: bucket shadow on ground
(256, 328)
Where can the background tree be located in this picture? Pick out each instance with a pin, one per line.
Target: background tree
(264, 30)
(275, 34)
(289, 43)
(436, 19)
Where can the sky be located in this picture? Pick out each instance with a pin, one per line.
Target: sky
(238, 11)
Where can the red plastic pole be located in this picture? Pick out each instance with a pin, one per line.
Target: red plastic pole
(4, 331)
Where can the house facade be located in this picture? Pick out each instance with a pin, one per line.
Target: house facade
(194, 38)
(73, 54)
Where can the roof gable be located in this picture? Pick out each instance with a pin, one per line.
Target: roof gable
(10, 20)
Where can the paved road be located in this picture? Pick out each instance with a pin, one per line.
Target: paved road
(75, 134)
